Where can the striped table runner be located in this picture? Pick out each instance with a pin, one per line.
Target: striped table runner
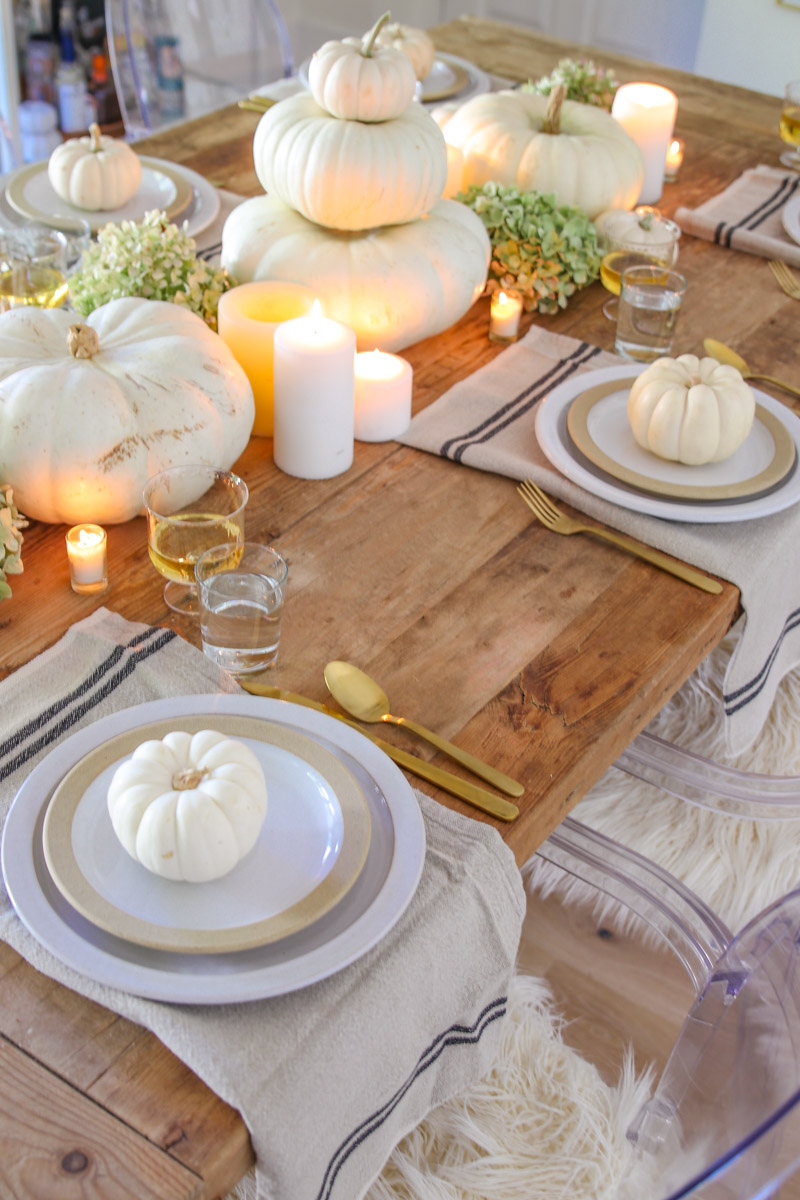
(487, 421)
(747, 215)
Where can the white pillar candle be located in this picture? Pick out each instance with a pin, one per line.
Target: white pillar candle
(647, 112)
(383, 396)
(314, 382)
(86, 552)
(504, 316)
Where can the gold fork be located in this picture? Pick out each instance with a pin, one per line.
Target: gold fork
(786, 281)
(553, 518)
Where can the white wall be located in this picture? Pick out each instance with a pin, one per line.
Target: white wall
(753, 43)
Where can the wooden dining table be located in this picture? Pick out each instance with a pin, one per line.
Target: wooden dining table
(544, 655)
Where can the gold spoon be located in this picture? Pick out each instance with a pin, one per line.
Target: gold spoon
(365, 700)
(724, 354)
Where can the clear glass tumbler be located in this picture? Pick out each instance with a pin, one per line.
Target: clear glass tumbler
(649, 303)
(241, 592)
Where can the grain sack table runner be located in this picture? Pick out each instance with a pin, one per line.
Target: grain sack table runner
(747, 215)
(330, 1077)
(487, 421)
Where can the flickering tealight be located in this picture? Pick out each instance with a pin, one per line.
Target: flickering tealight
(314, 376)
(674, 160)
(87, 556)
(383, 396)
(504, 317)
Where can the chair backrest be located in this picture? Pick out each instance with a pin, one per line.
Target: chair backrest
(724, 1120)
(173, 60)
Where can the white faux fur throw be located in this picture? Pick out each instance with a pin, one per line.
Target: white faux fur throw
(542, 1124)
(736, 866)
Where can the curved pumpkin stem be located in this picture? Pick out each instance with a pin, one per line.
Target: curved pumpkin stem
(552, 117)
(82, 341)
(368, 40)
(94, 135)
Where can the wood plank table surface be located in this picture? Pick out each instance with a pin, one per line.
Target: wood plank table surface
(541, 654)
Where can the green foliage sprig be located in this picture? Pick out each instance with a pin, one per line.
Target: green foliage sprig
(544, 250)
(11, 524)
(152, 259)
(585, 82)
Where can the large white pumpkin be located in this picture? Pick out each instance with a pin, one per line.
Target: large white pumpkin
(591, 163)
(350, 174)
(691, 410)
(189, 806)
(80, 435)
(393, 286)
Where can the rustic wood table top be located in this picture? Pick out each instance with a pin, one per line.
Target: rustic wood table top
(543, 655)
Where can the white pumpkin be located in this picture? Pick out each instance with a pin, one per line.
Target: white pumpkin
(691, 410)
(358, 80)
(349, 174)
(414, 43)
(86, 418)
(189, 806)
(590, 163)
(96, 172)
(393, 286)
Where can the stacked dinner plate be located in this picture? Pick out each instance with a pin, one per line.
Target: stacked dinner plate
(583, 429)
(790, 216)
(337, 862)
(179, 192)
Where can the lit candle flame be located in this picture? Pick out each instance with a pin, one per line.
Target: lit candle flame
(502, 298)
(87, 537)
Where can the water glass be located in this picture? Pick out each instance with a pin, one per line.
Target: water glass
(241, 590)
(649, 304)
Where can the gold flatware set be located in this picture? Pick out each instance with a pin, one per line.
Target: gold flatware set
(785, 279)
(724, 354)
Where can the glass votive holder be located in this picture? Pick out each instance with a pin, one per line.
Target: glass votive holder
(504, 317)
(674, 160)
(88, 559)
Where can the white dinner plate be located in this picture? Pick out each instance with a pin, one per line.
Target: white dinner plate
(790, 215)
(309, 853)
(450, 78)
(367, 912)
(552, 434)
(163, 187)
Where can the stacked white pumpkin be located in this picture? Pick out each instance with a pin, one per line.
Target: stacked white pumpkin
(354, 172)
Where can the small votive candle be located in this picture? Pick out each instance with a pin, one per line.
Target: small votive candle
(383, 396)
(504, 317)
(674, 160)
(88, 565)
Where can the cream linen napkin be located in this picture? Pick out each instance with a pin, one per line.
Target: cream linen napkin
(328, 1078)
(487, 421)
(747, 215)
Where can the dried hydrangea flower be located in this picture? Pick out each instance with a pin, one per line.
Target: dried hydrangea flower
(584, 81)
(11, 524)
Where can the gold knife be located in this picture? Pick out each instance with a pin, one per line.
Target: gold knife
(477, 796)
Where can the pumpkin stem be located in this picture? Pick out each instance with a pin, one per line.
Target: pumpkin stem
(368, 40)
(94, 135)
(188, 778)
(552, 117)
(82, 341)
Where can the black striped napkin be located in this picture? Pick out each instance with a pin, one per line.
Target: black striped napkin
(329, 1078)
(747, 215)
(487, 421)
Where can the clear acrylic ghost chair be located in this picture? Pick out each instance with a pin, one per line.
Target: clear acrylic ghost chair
(173, 60)
(724, 1118)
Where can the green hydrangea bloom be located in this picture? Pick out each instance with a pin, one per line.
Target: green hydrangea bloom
(540, 248)
(584, 81)
(149, 258)
(11, 524)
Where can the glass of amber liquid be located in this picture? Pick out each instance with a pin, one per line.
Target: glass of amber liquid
(189, 510)
(790, 125)
(647, 239)
(33, 267)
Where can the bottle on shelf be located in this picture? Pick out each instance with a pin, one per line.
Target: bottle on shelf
(39, 59)
(103, 97)
(73, 94)
(169, 68)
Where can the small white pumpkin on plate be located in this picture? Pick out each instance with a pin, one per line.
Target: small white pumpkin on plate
(414, 43)
(95, 173)
(691, 410)
(189, 806)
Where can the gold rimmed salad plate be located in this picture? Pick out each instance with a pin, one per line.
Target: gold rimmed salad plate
(598, 424)
(163, 187)
(311, 849)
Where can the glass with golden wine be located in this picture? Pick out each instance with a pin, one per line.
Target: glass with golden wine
(790, 124)
(189, 510)
(631, 239)
(33, 267)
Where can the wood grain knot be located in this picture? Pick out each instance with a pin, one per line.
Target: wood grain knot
(75, 1162)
